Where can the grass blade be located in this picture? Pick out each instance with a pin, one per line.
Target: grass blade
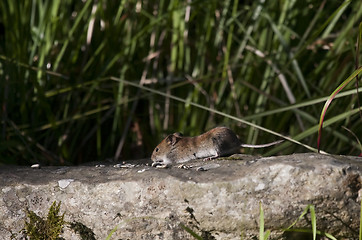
(111, 233)
(330, 99)
(189, 230)
(314, 221)
(261, 222)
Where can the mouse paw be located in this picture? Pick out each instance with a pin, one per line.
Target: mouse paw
(159, 165)
(209, 158)
(183, 166)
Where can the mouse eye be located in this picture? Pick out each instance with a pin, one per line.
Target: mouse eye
(156, 149)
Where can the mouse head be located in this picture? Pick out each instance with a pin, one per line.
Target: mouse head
(163, 154)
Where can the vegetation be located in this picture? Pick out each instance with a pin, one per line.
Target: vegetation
(37, 228)
(45, 229)
(89, 80)
(264, 235)
(83, 231)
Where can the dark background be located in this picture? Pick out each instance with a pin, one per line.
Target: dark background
(269, 63)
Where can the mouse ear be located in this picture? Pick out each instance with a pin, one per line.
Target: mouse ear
(178, 134)
(172, 139)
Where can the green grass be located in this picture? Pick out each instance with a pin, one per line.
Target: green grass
(262, 68)
(263, 235)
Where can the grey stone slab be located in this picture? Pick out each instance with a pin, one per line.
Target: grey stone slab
(222, 200)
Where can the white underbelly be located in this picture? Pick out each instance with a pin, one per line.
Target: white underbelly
(205, 153)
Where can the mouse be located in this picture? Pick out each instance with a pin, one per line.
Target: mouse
(217, 142)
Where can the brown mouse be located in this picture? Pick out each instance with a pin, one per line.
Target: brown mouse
(218, 142)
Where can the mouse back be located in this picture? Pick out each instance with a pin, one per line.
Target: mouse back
(225, 141)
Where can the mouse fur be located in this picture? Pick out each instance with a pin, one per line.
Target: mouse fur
(218, 142)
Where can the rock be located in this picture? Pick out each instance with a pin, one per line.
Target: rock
(219, 203)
